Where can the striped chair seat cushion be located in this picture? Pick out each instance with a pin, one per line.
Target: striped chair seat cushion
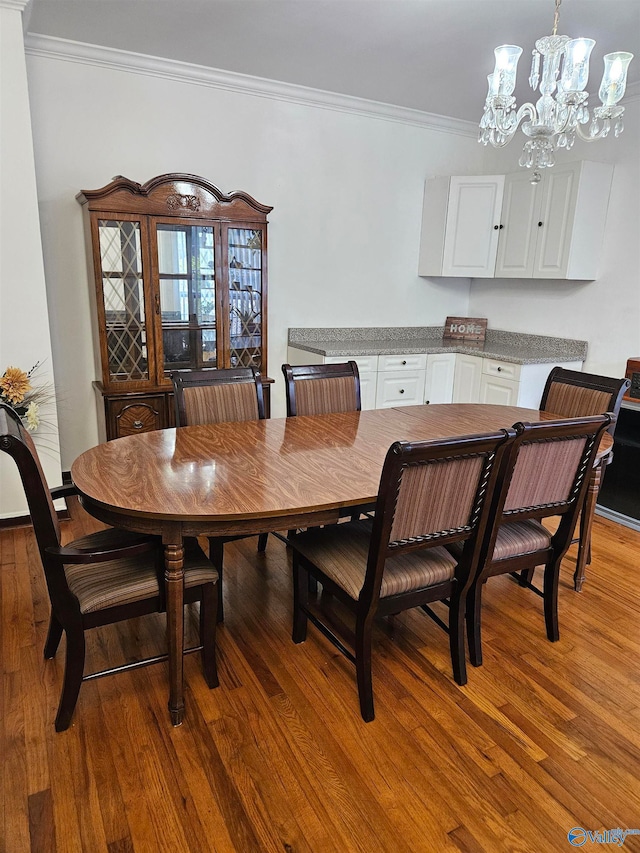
(520, 537)
(98, 586)
(341, 551)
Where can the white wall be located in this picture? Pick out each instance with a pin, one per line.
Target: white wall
(605, 312)
(24, 323)
(346, 191)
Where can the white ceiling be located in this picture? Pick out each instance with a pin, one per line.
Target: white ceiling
(430, 55)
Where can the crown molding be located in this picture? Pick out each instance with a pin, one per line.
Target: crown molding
(200, 75)
(16, 5)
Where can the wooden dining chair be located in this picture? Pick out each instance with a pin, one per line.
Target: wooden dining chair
(432, 493)
(573, 394)
(219, 396)
(323, 389)
(545, 474)
(102, 578)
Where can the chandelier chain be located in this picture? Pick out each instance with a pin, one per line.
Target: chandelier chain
(556, 18)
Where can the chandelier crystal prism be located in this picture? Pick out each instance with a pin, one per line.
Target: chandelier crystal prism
(553, 122)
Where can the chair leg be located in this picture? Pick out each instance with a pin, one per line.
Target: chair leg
(525, 577)
(301, 580)
(262, 542)
(216, 555)
(456, 639)
(363, 668)
(208, 615)
(551, 578)
(53, 637)
(73, 669)
(473, 611)
(585, 525)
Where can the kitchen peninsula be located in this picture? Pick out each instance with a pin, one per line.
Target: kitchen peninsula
(413, 365)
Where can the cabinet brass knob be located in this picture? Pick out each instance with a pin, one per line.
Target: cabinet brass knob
(138, 424)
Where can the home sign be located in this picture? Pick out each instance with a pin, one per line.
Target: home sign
(465, 328)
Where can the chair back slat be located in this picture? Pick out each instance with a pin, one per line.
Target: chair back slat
(574, 394)
(214, 404)
(322, 389)
(545, 473)
(217, 396)
(436, 497)
(324, 396)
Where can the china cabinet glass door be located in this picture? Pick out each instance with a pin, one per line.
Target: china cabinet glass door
(123, 299)
(187, 295)
(245, 251)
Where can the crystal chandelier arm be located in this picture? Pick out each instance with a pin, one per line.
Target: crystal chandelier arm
(508, 122)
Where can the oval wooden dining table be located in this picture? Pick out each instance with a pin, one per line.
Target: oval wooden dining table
(255, 477)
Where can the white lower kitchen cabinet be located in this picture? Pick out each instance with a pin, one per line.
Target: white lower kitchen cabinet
(441, 369)
(401, 380)
(504, 383)
(466, 381)
(498, 392)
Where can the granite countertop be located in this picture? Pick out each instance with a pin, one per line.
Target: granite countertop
(506, 346)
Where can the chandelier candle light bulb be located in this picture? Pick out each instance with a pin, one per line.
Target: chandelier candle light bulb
(553, 123)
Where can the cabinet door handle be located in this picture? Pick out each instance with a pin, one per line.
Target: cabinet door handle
(402, 390)
(501, 227)
(495, 227)
(540, 224)
(137, 424)
(404, 362)
(157, 303)
(499, 369)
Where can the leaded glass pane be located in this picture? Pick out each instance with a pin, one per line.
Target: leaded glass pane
(245, 296)
(186, 264)
(122, 287)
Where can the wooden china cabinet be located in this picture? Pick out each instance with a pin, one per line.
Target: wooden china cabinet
(180, 274)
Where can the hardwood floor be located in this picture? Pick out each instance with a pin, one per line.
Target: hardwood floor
(544, 737)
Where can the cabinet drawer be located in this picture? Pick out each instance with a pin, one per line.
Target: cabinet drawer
(505, 369)
(417, 361)
(400, 389)
(366, 363)
(130, 416)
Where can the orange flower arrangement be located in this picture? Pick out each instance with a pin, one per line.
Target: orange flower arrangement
(17, 392)
(15, 385)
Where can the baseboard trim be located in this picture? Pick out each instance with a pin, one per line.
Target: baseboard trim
(618, 517)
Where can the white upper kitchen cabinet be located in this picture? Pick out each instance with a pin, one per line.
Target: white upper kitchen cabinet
(499, 226)
(460, 226)
(554, 228)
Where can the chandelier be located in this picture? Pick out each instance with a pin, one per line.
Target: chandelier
(553, 122)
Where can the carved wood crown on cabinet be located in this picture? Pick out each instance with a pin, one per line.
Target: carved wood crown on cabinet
(180, 272)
